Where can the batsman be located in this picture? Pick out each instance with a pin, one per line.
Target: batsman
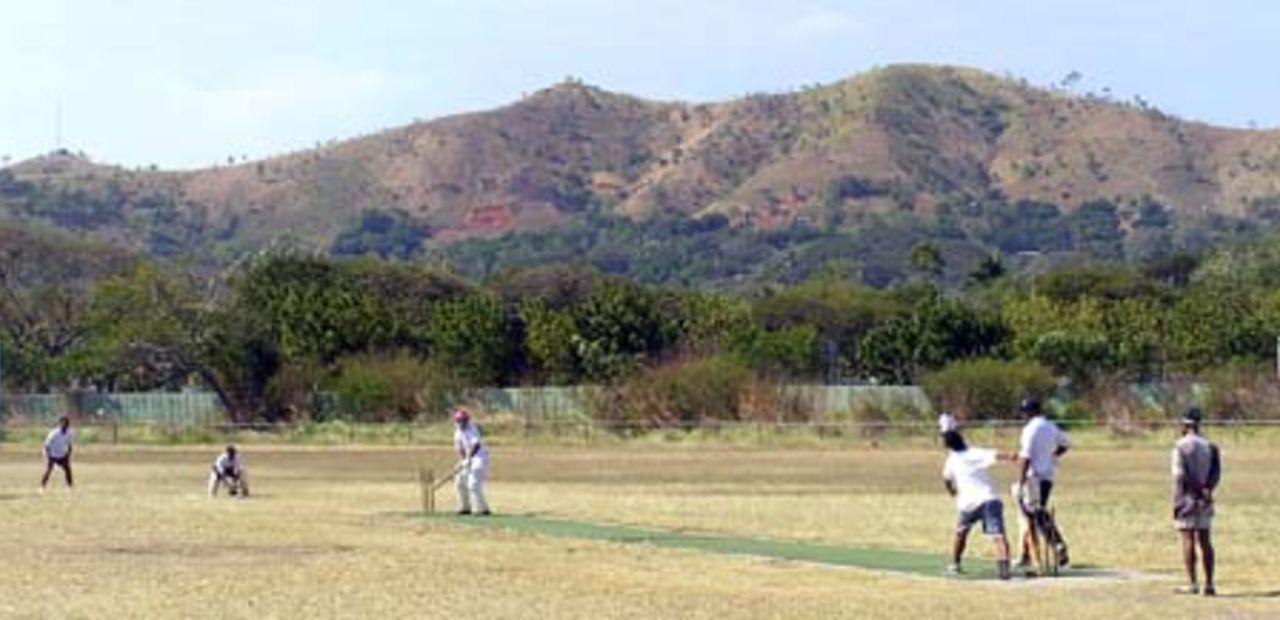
(474, 468)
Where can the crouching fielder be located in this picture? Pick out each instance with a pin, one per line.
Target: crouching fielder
(229, 470)
(474, 468)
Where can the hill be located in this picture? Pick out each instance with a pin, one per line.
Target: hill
(904, 139)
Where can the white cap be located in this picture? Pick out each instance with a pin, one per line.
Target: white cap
(946, 423)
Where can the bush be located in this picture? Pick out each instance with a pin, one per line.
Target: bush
(291, 392)
(1115, 402)
(986, 388)
(1241, 391)
(766, 401)
(679, 394)
(381, 388)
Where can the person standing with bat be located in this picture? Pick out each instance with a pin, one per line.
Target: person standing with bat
(473, 471)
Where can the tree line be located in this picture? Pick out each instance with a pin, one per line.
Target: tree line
(272, 333)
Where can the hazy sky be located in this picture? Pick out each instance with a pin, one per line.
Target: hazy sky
(181, 83)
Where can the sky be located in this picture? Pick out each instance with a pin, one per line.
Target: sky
(185, 84)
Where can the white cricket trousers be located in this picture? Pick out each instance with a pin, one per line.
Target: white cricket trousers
(470, 485)
(216, 481)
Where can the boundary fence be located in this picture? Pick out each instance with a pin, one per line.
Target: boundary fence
(171, 408)
(512, 430)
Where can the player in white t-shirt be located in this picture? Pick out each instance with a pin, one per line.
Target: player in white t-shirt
(1040, 445)
(229, 469)
(57, 451)
(474, 469)
(967, 479)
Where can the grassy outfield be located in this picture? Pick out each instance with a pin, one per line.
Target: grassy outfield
(326, 536)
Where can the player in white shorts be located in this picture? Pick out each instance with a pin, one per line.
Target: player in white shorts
(57, 452)
(966, 478)
(474, 469)
(229, 469)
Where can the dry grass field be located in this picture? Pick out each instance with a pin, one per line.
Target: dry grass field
(328, 535)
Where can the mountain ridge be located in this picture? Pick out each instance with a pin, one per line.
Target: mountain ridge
(900, 138)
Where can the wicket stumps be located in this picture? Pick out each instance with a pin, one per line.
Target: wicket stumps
(427, 478)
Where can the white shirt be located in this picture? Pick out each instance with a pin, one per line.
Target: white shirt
(968, 472)
(466, 439)
(947, 423)
(227, 464)
(57, 444)
(1039, 445)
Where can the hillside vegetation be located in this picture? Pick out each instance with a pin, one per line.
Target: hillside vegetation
(907, 143)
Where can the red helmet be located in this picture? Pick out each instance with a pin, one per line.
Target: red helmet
(461, 416)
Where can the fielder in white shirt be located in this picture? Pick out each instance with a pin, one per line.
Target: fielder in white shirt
(966, 478)
(229, 469)
(1041, 444)
(474, 469)
(57, 451)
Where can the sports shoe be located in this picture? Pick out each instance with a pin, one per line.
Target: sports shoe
(1210, 591)
(1191, 589)
(954, 569)
(463, 513)
(1063, 560)
(1024, 561)
(483, 513)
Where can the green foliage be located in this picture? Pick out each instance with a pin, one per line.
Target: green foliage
(470, 336)
(1242, 391)
(550, 342)
(841, 313)
(939, 331)
(159, 329)
(989, 270)
(983, 388)
(385, 388)
(788, 352)
(312, 305)
(1210, 326)
(618, 326)
(713, 323)
(680, 394)
(386, 234)
(927, 259)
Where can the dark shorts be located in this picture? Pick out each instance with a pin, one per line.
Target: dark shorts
(991, 514)
(225, 475)
(64, 462)
(1036, 497)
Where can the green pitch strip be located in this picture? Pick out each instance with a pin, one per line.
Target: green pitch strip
(908, 562)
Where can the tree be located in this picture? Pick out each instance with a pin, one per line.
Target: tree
(938, 332)
(469, 335)
(549, 342)
(312, 306)
(927, 259)
(618, 327)
(989, 270)
(161, 328)
(46, 285)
